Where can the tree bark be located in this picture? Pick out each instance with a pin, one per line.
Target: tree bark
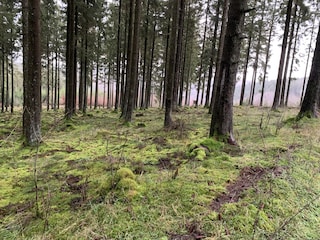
(172, 62)
(217, 75)
(213, 53)
(222, 116)
(70, 61)
(116, 105)
(309, 105)
(32, 94)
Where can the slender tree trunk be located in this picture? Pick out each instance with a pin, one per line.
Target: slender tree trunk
(96, 95)
(12, 85)
(202, 53)
(58, 86)
(293, 60)
(56, 72)
(144, 68)
(276, 100)
(149, 80)
(245, 71)
(7, 84)
(185, 51)
(213, 53)
(3, 83)
(256, 59)
(177, 71)
(268, 52)
(116, 105)
(85, 87)
(289, 48)
(82, 76)
(70, 61)
(48, 72)
(52, 82)
(124, 66)
(166, 64)
(91, 86)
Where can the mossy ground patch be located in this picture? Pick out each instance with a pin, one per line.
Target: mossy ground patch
(165, 193)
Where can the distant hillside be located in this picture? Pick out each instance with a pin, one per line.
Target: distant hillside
(294, 95)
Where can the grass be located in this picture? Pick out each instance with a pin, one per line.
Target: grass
(97, 178)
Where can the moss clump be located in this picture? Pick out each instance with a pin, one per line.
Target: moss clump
(124, 173)
(211, 144)
(122, 184)
(127, 184)
(199, 154)
(200, 151)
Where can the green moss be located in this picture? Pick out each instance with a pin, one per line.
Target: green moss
(127, 184)
(125, 173)
(151, 203)
(211, 144)
(199, 154)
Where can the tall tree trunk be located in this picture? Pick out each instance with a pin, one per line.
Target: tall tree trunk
(56, 72)
(70, 61)
(82, 75)
(58, 87)
(144, 68)
(149, 79)
(96, 95)
(3, 82)
(12, 85)
(256, 59)
(172, 62)
(177, 71)
(202, 53)
(217, 76)
(268, 52)
(48, 71)
(166, 63)
(293, 59)
(245, 71)
(7, 84)
(222, 116)
(309, 104)
(289, 48)
(308, 60)
(124, 107)
(213, 53)
(25, 47)
(134, 62)
(276, 100)
(32, 96)
(85, 87)
(185, 52)
(116, 105)
(124, 54)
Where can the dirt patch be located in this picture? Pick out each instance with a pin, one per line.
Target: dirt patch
(15, 208)
(161, 141)
(193, 233)
(249, 176)
(165, 163)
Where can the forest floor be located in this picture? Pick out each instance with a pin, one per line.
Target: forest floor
(94, 177)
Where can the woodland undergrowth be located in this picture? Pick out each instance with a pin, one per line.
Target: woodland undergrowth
(93, 177)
